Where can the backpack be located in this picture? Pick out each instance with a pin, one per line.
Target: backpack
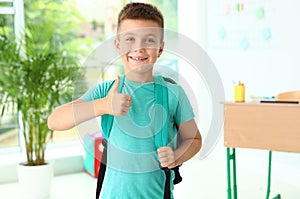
(161, 98)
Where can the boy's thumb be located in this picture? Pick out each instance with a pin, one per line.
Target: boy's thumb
(116, 84)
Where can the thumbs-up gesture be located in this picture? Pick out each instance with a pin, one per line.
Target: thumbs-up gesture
(119, 104)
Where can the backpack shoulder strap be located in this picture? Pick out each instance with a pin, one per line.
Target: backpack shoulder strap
(161, 112)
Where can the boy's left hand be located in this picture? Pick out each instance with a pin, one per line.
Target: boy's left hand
(166, 157)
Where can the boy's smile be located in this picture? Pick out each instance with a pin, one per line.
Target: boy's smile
(139, 43)
(138, 59)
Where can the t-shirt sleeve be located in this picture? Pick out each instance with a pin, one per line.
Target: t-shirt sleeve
(97, 92)
(184, 111)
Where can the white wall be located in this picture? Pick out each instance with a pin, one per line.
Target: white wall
(266, 67)
(192, 24)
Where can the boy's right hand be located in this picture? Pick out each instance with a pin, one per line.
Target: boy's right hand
(118, 104)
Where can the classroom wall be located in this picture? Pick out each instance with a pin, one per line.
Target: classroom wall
(191, 24)
(257, 42)
(253, 41)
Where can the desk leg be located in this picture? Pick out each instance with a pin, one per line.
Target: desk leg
(231, 156)
(269, 178)
(228, 174)
(269, 175)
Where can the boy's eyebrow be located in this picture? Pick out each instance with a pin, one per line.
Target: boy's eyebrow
(151, 34)
(127, 33)
(132, 34)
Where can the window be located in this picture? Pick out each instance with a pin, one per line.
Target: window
(12, 22)
(98, 23)
(169, 10)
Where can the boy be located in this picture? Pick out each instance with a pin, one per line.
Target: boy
(134, 160)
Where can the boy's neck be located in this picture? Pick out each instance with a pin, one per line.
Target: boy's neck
(142, 78)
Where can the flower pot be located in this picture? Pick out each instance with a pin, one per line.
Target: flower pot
(35, 181)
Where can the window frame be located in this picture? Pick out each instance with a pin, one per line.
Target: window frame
(17, 10)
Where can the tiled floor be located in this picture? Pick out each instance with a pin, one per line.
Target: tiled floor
(202, 179)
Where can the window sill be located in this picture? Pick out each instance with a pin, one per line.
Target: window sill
(67, 158)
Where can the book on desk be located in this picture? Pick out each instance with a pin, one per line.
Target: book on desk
(279, 101)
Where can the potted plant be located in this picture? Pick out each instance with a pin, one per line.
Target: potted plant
(35, 76)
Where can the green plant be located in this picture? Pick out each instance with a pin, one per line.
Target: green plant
(35, 76)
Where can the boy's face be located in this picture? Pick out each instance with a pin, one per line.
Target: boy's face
(139, 43)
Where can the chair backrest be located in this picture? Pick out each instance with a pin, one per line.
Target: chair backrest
(288, 96)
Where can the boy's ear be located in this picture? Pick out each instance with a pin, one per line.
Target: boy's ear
(160, 52)
(161, 48)
(117, 44)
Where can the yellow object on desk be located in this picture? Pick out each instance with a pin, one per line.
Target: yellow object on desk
(239, 93)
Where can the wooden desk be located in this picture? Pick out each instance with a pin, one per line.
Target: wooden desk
(270, 126)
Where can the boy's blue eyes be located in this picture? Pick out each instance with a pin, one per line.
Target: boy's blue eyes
(129, 39)
(150, 41)
(147, 41)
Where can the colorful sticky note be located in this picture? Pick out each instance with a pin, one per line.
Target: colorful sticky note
(226, 9)
(244, 44)
(222, 33)
(239, 7)
(266, 33)
(260, 13)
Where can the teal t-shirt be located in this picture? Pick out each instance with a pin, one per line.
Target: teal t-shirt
(133, 170)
